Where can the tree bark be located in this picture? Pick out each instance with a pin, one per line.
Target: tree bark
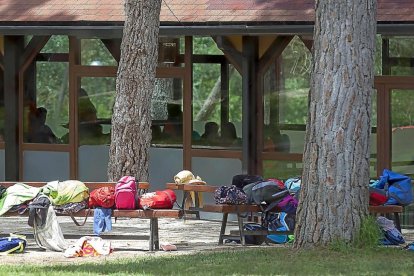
(131, 119)
(334, 192)
(163, 94)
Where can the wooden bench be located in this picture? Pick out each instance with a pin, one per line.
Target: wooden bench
(241, 210)
(396, 210)
(152, 215)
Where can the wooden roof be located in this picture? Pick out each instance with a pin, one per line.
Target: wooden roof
(196, 12)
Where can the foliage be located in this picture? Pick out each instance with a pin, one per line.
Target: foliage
(368, 237)
(237, 261)
(369, 234)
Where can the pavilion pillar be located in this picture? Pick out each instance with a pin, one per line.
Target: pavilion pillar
(250, 104)
(13, 50)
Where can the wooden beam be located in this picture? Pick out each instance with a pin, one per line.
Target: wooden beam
(234, 56)
(31, 50)
(250, 104)
(114, 47)
(13, 49)
(273, 52)
(1, 61)
(307, 41)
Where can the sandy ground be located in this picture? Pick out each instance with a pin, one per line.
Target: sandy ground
(190, 237)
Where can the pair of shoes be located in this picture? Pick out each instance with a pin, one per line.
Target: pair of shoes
(168, 247)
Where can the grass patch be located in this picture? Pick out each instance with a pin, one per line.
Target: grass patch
(251, 261)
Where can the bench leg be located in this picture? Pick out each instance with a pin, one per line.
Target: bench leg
(197, 204)
(397, 221)
(241, 230)
(223, 228)
(154, 242)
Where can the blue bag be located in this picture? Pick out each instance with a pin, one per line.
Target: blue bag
(280, 222)
(397, 186)
(392, 237)
(12, 245)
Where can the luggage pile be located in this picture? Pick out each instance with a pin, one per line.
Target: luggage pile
(278, 201)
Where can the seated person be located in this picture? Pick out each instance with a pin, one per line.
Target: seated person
(40, 132)
(229, 135)
(173, 128)
(211, 133)
(274, 140)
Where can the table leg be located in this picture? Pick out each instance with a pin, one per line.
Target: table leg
(223, 228)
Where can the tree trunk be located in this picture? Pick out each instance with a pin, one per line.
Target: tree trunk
(334, 193)
(163, 94)
(212, 100)
(131, 119)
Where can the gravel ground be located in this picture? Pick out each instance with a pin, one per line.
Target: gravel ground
(190, 237)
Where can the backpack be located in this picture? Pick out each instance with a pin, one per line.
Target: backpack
(391, 234)
(126, 193)
(398, 187)
(288, 204)
(266, 192)
(279, 222)
(293, 184)
(102, 197)
(164, 199)
(377, 196)
(242, 180)
(12, 244)
(229, 195)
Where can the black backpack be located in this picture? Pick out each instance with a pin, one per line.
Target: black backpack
(242, 180)
(265, 192)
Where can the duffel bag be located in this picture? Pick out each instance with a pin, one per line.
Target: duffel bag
(164, 199)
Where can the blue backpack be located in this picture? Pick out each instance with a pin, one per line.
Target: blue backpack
(12, 245)
(280, 222)
(397, 186)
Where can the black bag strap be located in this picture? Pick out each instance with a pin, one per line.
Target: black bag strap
(88, 211)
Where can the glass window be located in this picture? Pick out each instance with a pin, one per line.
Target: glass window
(401, 46)
(281, 169)
(46, 107)
(171, 52)
(205, 46)
(95, 53)
(95, 102)
(167, 113)
(2, 114)
(286, 89)
(57, 44)
(402, 123)
(216, 112)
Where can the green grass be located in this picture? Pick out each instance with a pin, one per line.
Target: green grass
(251, 261)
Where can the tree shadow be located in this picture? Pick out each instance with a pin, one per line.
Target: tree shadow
(18, 12)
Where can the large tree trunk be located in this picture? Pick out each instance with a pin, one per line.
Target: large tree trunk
(131, 119)
(334, 194)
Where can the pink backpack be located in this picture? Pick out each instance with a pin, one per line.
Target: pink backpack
(126, 193)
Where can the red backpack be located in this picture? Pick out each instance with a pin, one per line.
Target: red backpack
(126, 193)
(102, 197)
(158, 200)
